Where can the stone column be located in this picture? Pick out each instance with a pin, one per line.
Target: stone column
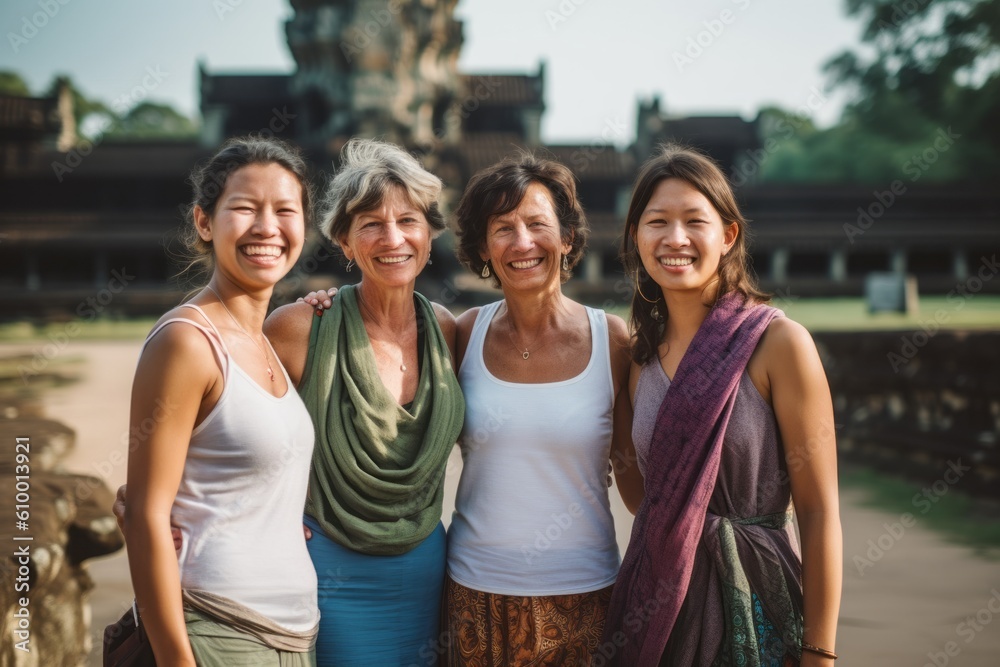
(779, 265)
(592, 272)
(897, 260)
(960, 267)
(838, 266)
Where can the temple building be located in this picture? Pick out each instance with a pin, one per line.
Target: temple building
(81, 216)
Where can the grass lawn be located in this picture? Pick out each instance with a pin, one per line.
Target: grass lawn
(978, 312)
(848, 314)
(851, 314)
(99, 329)
(955, 515)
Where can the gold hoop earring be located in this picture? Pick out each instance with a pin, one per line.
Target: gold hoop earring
(639, 290)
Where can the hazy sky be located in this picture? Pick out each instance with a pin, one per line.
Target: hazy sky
(714, 56)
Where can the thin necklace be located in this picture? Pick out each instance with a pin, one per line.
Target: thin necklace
(402, 363)
(267, 360)
(525, 353)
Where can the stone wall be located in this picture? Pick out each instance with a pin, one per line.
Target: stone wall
(69, 521)
(919, 404)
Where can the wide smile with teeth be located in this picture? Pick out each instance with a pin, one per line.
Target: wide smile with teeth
(526, 263)
(677, 261)
(262, 250)
(392, 260)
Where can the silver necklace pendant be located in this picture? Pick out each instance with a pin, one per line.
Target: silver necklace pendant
(525, 355)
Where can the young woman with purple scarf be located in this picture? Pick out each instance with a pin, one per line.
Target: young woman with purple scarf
(733, 427)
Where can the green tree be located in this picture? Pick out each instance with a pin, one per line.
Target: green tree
(152, 120)
(933, 72)
(11, 83)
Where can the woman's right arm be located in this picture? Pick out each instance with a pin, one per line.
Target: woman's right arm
(176, 372)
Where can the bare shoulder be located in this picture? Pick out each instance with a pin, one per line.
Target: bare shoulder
(463, 325)
(786, 349)
(618, 331)
(289, 322)
(785, 336)
(445, 318)
(178, 347)
(466, 321)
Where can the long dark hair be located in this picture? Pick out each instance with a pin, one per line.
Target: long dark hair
(703, 174)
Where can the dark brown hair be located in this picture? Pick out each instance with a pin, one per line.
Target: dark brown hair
(703, 174)
(209, 182)
(499, 189)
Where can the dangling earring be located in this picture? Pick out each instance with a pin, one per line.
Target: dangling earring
(655, 312)
(350, 265)
(485, 273)
(565, 265)
(639, 290)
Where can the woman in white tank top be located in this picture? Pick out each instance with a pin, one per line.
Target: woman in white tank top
(221, 442)
(531, 551)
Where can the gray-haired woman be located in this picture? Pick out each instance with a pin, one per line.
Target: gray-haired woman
(376, 374)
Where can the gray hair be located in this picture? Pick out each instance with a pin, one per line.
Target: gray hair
(368, 169)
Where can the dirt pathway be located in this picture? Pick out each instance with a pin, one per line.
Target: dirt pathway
(919, 600)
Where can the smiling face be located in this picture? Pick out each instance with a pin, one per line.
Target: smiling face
(681, 237)
(258, 228)
(390, 243)
(525, 246)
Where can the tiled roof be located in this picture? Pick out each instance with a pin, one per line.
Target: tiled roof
(588, 162)
(713, 128)
(504, 89)
(252, 89)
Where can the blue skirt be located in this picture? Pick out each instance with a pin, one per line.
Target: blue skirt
(378, 610)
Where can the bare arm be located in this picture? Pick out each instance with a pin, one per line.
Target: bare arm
(446, 320)
(623, 459)
(804, 411)
(176, 372)
(463, 333)
(288, 330)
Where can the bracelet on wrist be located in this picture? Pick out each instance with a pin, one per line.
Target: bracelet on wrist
(818, 651)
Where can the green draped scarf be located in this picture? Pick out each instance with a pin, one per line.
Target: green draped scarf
(377, 477)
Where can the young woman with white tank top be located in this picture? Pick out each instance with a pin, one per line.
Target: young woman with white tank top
(222, 443)
(532, 553)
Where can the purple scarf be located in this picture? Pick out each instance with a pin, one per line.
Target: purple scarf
(680, 478)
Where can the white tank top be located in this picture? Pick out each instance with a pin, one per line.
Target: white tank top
(532, 515)
(240, 501)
